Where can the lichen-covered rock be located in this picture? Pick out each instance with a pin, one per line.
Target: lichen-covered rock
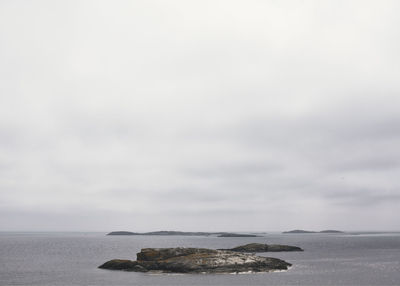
(260, 247)
(196, 260)
(152, 254)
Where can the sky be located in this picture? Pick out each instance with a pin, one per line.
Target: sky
(204, 115)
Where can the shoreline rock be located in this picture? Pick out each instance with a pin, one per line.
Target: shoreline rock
(196, 260)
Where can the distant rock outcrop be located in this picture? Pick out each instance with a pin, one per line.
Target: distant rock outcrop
(299, 231)
(260, 247)
(196, 260)
(307, 231)
(237, 235)
(183, 233)
(331, 231)
(122, 233)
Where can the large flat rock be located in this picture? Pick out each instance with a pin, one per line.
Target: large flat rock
(196, 260)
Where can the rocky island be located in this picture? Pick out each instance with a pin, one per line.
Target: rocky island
(299, 231)
(196, 260)
(183, 233)
(260, 247)
(308, 231)
(237, 235)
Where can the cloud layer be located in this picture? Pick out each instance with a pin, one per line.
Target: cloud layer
(209, 115)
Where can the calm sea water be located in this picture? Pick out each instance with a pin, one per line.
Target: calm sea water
(72, 259)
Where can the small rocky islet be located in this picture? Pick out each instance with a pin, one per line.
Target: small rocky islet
(240, 259)
(260, 247)
(301, 231)
(196, 260)
(183, 233)
(203, 260)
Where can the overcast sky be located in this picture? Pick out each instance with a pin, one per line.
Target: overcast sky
(199, 115)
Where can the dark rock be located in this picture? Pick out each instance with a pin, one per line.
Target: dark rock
(299, 231)
(151, 254)
(307, 231)
(196, 260)
(183, 233)
(279, 247)
(170, 232)
(236, 235)
(119, 264)
(122, 233)
(138, 268)
(259, 247)
(162, 232)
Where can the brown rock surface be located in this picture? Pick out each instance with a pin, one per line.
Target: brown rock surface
(196, 260)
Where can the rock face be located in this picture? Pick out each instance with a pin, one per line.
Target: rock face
(196, 260)
(259, 247)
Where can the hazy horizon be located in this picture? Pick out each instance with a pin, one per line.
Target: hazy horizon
(202, 230)
(199, 115)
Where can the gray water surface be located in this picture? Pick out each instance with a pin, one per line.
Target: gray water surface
(72, 259)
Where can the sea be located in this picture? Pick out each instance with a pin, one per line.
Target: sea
(72, 258)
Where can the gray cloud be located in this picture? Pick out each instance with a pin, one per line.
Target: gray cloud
(363, 197)
(184, 115)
